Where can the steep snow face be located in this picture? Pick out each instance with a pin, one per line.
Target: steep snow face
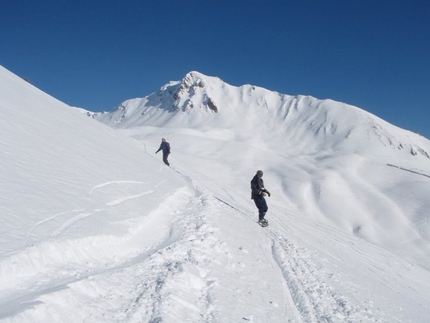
(302, 123)
(61, 171)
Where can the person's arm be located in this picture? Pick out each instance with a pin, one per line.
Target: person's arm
(267, 192)
(262, 189)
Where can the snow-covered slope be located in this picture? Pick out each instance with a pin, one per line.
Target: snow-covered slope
(343, 159)
(95, 229)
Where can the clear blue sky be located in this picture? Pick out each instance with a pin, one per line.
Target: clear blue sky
(374, 54)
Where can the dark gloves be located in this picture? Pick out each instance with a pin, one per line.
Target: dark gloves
(268, 193)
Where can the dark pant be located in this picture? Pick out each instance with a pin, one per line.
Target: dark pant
(165, 155)
(261, 204)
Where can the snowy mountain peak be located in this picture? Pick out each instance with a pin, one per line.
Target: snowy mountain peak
(193, 79)
(193, 93)
(297, 122)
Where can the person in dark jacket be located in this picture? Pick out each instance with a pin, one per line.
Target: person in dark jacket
(165, 147)
(257, 194)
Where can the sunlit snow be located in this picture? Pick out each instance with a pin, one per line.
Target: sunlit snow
(95, 228)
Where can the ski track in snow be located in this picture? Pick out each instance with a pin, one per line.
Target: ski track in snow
(47, 220)
(178, 267)
(112, 183)
(315, 300)
(131, 197)
(83, 215)
(182, 262)
(22, 302)
(72, 221)
(162, 268)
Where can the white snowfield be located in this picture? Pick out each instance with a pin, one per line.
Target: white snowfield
(95, 228)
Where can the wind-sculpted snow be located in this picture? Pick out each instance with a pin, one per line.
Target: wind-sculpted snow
(95, 228)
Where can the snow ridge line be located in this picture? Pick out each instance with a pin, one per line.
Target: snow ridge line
(179, 262)
(315, 300)
(156, 297)
(85, 257)
(18, 301)
(182, 266)
(408, 170)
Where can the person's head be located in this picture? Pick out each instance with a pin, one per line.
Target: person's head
(259, 173)
(163, 139)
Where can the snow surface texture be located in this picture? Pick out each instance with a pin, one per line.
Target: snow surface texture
(95, 228)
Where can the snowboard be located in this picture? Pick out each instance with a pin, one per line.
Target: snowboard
(263, 224)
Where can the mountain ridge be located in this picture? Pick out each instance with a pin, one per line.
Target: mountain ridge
(199, 100)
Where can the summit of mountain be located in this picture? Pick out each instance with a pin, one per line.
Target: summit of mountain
(301, 122)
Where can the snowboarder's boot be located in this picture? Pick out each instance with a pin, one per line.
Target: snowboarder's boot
(263, 222)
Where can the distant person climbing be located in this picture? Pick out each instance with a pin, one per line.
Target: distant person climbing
(165, 147)
(257, 194)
